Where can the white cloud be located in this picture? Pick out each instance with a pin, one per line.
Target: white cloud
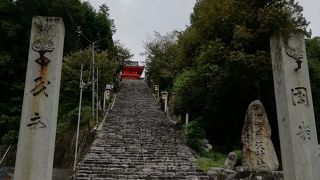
(135, 19)
(312, 14)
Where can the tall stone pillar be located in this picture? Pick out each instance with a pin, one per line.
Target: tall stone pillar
(35, 152)
(297, 129)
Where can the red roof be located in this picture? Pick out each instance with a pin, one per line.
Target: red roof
(132, 72)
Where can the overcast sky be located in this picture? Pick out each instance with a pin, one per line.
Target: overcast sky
(136, 19)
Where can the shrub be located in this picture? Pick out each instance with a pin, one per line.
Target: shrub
(210, 159)
(194, 134)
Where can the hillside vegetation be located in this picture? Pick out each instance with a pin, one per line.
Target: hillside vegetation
(222, 62)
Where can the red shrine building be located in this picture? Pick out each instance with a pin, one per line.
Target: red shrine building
(132, 70)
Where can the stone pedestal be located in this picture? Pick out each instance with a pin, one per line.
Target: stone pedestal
(297, 129)
(35, 152)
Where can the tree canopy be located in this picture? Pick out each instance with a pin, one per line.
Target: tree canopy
(83, 24)
(222, 62)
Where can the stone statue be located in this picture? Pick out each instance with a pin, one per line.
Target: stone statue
(231, 161)
(258, 151)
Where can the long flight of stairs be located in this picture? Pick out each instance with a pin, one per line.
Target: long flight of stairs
(138, 142)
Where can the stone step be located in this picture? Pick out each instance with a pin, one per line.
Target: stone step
(138, 142)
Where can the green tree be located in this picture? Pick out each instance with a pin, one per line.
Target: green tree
(223, 62)
(15, 23)
(121, 54)
(161, 54)
(69, 93)
(313, 55)
(231, 58)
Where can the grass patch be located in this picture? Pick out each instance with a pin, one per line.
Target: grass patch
(206, 163)
(210, 159)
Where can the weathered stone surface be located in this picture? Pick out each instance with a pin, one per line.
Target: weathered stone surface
(247, 175)
(258, 151)
(231, 161)
(137, 141)
(34, 160)
(213, 175)
(205, 145)
(217, 173)
(296, 121)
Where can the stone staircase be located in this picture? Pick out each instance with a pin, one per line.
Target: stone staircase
(137, 141)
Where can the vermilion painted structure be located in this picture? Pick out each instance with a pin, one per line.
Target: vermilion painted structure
(132, 71)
